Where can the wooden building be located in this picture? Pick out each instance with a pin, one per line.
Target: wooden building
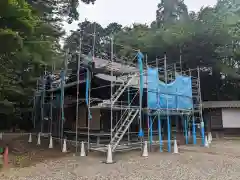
(222, 117)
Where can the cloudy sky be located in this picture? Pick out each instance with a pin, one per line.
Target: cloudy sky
(126, 12)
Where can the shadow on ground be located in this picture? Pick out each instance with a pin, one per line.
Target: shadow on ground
(24, 154)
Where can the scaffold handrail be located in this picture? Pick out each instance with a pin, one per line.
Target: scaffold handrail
(124, 113)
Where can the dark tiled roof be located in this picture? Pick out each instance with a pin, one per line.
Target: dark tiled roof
(221, 104)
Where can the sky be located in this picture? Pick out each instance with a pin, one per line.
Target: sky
(127, 12)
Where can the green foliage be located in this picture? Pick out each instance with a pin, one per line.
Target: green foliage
(11, 39)
(100, 41)
(171, 11)
(28, 43)
(58, 8)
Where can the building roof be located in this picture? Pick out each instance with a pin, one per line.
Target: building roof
(221, 104)
(118, 66)
(134, 83)
(115, 66)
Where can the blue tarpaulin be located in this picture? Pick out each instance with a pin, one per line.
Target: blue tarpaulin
(140, 66)
(87, 86)
(175, 95)
(88, 79)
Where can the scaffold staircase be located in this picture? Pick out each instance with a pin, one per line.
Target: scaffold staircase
(122, 126)
(121, 89)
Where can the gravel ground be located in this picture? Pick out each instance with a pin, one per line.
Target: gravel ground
(221, 162)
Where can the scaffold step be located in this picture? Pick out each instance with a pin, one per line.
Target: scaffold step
(121, 88)
(120, 148)
(123, 128)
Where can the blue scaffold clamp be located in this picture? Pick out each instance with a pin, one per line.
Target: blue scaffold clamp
(141, 133)
(140, 55)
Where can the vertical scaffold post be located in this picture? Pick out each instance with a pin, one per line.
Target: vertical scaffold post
(51, 104)
(129, 104)
(168, 117)
(111, 126)
(169, 125)
(185, 129)
(180, 60)
(62, 103)
(151, 131)
(200, 108)
(43, 97)
(78, 79)
(194, 131)
(33, 110)
(88, 101)
(193, 119)
(34, 107)
(148, 124)
(88, 86)
(169, 133)
(140, 66)
(160, 132)
(176, 127)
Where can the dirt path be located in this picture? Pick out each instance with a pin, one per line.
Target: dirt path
(220, 162)
(24, 154)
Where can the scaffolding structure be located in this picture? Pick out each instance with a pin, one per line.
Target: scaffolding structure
(131, 120)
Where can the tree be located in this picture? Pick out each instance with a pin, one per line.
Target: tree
(92, 34)
(112, 29)
(170, 11)
(56, 10)
(29, 45)
(16, 23)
